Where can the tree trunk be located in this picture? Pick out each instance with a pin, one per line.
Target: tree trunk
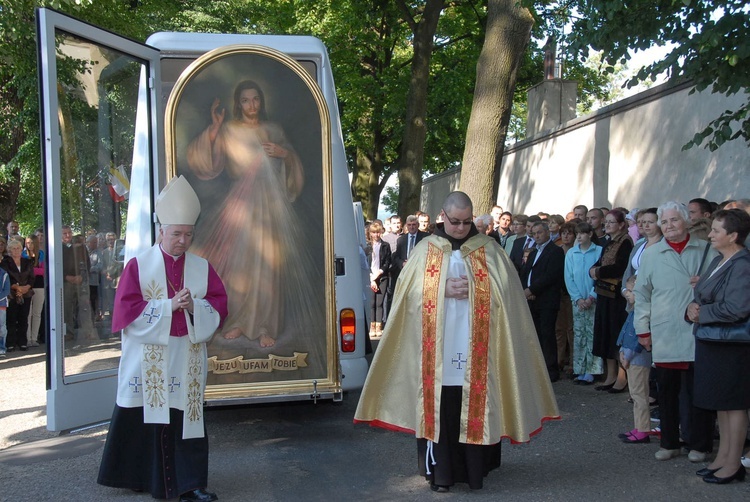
(368, 177)
(365, 185)
(508, 32)
(411, 158)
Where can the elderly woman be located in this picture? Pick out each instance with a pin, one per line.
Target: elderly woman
(21, 274)
(483, 223)
(662, 293)
(379, 259)
(721, 382)
(610, 311)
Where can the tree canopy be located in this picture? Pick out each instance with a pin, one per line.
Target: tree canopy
(372, 51)
(709, 43)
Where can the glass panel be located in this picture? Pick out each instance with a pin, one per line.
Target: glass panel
(98, 93)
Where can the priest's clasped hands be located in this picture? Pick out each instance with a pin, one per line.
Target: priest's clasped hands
(183, 300)
(457, 287)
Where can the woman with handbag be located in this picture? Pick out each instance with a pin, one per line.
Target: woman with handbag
(610, 313)
(721, 313)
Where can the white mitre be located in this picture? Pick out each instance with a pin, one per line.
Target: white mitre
(178, 204)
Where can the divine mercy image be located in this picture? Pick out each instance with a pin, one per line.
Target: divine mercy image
(256, 163)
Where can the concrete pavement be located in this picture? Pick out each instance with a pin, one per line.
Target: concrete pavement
(301, 451)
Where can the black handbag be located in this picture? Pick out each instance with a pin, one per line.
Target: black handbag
(607, 287)
(724, 332)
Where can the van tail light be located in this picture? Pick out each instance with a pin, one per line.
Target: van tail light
(348, 327)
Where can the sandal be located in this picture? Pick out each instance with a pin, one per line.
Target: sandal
(637, 437)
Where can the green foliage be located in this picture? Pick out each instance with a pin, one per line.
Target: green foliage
(370, 48)
(21, 178)
(453, 70)
(369, 58)
(389, 199)
(710, 41)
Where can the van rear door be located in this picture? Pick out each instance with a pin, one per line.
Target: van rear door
(89, 88)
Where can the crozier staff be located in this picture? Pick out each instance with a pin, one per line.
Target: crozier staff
(169, 303)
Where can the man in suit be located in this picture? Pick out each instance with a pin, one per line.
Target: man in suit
(12, 230)
(522, 246)
(405, 244)
(391, 237)
(72, 282)
(542, 279)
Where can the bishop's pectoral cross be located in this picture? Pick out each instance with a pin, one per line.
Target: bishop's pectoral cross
(457, 361)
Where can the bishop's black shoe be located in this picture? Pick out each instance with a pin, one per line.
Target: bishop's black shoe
(199, 495)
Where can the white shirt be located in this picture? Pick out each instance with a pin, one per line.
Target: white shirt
(539, 249)
(411, 243)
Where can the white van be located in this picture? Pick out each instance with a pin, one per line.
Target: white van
(276, 222)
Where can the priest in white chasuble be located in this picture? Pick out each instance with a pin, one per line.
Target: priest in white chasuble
(169, 303)
(459, 364)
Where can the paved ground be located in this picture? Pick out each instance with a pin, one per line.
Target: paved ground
(311, 452)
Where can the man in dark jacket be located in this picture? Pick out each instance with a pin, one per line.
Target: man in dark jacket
(542, 279)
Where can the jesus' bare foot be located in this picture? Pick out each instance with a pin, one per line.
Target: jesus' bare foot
(233, 333)
(266, 341)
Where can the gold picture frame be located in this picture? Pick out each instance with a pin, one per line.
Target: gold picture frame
(250, 129)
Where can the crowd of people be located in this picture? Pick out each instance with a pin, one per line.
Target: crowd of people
(619, 300)
(91, 269)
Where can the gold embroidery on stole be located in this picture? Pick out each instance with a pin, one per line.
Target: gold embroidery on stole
(153, 363)
(153, 371)
(430, 289)
(153, 291)
(195, 387)
(480, 338)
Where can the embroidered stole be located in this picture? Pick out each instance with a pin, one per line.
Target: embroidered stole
(478, 358)
(155, 360)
